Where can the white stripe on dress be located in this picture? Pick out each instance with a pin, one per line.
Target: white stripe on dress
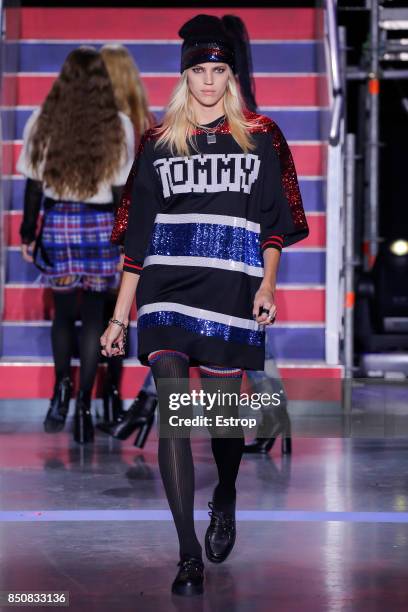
(213, 219)
(200, 313)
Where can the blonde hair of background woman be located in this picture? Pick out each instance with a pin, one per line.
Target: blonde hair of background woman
(177, 128)
(129, 91)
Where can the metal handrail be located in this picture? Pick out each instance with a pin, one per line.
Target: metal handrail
(334, 60)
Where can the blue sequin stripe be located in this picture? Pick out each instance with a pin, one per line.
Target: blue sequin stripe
(201, 322)
(218, 241)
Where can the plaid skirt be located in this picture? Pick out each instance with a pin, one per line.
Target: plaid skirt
(75, 242)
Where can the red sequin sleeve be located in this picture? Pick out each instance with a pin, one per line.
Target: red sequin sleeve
(283, 219)
(142, 201)
(122, 213)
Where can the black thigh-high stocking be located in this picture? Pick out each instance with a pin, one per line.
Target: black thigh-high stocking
(227, 443)
(63, 330)
(175, 456)
(92, 316)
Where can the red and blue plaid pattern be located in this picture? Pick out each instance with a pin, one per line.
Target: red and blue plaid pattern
(76, 240)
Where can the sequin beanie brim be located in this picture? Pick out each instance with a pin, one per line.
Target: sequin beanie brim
(205, 40)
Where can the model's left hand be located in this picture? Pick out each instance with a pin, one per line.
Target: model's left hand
(264, 298)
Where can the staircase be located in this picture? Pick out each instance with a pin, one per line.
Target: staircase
(291, 88)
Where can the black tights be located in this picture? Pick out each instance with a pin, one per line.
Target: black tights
(63, 334)
(176, 460)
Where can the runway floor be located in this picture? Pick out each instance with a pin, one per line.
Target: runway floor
(324, 530)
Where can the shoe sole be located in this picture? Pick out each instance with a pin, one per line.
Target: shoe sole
(51, 428)
(188, 591)
(215, 558)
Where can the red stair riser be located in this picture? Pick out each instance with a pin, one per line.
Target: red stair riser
(35, 304)
(300, 383)
(271, 90)
(151, 24)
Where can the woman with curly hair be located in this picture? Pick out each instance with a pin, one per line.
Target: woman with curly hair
(131, 99)
(77, 153)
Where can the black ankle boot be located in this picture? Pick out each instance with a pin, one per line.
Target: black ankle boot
(83, 426)
(140, 414)
(220, 534)
(113, 412)
(269, 429)
(59, 406)
(190, 577)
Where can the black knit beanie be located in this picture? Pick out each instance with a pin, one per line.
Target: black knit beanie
(210, 39)
(206, 40)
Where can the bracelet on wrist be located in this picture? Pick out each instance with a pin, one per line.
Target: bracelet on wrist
(120, 323)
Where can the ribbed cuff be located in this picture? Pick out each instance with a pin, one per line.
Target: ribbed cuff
(130, 265)
(273, 242)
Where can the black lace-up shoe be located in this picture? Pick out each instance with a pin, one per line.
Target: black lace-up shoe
(190, 577)
(220, 535)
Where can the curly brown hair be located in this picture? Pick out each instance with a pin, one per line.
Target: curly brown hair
(79, 135)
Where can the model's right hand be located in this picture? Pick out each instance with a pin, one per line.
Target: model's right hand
(113, 335)
(27, 251)
(121, 262)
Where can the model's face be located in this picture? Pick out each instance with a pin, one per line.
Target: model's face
(207, 82)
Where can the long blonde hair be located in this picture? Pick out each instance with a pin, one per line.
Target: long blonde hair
(177, 128)
(130, 93)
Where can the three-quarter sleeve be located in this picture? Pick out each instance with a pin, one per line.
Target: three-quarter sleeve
(33, 192)
(145, 202)
(33, 195)
(283, 220)
(125, 164)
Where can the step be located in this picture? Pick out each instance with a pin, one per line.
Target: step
(312, 188)
(294, 303)
(308, 157)
(161, 57)
(296, 124)
(298, 266)
(271, 90)
(314, 381)
(287, 341)
(316, 238)
(125, 24)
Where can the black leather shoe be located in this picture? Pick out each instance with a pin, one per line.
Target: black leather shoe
(140, 413)
(269, 429)
(83, 425)
(59, 406)
(264, 445)
(190, 577)
(112, 403)
(220, 534)
(113, 412)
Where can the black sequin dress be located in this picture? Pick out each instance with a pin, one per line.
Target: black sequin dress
(195, 229)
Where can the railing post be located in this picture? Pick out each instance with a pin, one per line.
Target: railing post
(349, 256)
(373, 142)
(334, 192)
